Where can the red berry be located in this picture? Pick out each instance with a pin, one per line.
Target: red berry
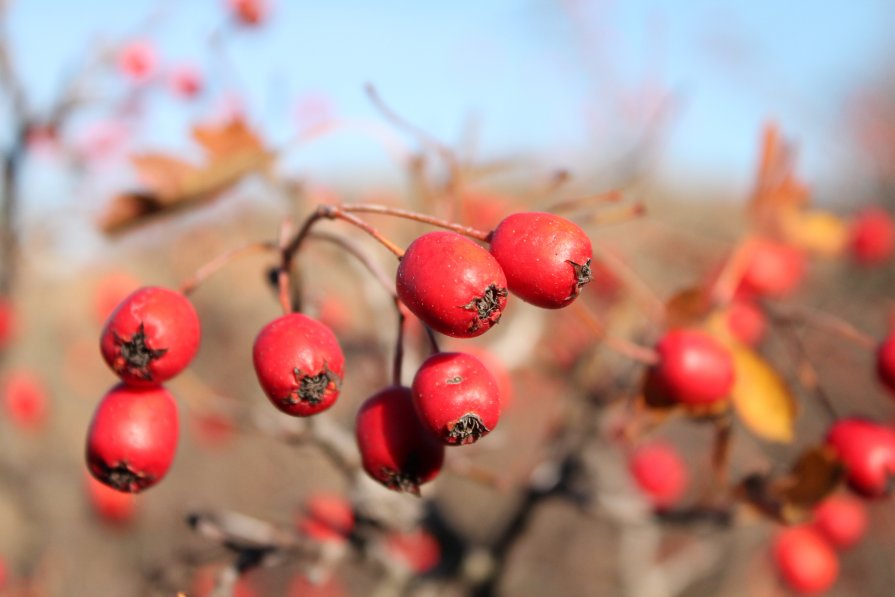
(867, 450)
(842, 520)
(546, 258)
(186, 81)
(133, 437)
(327, 517)
(805, 560)
(660, 473)
(151, 337)
(25, 400)
(299, 364)
(746, 321)
(395, 448)
(872, 237)
(249, 12)
(452, 284)
(137, 60)
(112, 506)
(7, 322)
(693, 367)
(418, 550)
(772, 269)
(885, 362)
(456, 397)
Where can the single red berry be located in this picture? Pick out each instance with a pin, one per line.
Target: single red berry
(693, 367)
(112, 506)
(806, 562)
(456, 397)
(25, 400)
(660, 473)
(885, 362)
(186, 81)
(772, 269)
(418, 550)
(151, 337)
(137, 60)
(867, 450)
(395, 448)
(746, 321)
(301, 586)
(327, 517)
(7, 322)
(249, 12)
(842, 520)
(133, 437)
(452, 284)
(546, 258)
(872, 237)
(299, 364)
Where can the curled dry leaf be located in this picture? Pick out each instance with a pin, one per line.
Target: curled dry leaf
(232, 151)
(791, 498)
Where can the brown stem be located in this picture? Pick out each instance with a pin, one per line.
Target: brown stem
(284, 274)
(721, 455)
(626, 348)
(417, 217)
(564, 205)
(212, 267)
(650, 303)
(821, 319)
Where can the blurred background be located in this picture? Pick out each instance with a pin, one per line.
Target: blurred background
(477, 109)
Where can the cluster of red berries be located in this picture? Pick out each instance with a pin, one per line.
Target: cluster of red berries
(148, 339)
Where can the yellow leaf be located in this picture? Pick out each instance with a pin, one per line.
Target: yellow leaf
(817, 231)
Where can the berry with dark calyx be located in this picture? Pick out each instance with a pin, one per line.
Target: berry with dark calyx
(452, 284)
(395, 448)
(872, 237)
(867, 450)
(842, 520)
(546, 258)
(693, 367)
(806, 562)
(746, 321)
(133, 437)
(456, 397)
(885, 362)
(772, 269)
(660, 473)
(151, 336)
(299, 364)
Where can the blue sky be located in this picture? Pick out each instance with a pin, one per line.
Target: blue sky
(548, 77)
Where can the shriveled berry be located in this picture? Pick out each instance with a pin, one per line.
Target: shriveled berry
(693, 367)
(842, 520)
(151, 336)
(806, 562)
(660, 473)
(452, 284)
(395, 448)
(545, 257)
(872, 237)
(299, 364)
(867, 450)
(133, 437)
(772, 269)
(456, 397)
(885, 362)
(746, 321)
(25, 399)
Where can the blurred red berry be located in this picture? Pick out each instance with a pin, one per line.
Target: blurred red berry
(7, 322)
(110, 505)
(660, 473)
(186, 81)
(842, 520)
(772, 269)
(137, 60)
(746, 321)
(693, 367)
(327, 517)
(25, 400)
(249, 12)
(806, 562)
(867, 450)
(419, 550)
(872, 236)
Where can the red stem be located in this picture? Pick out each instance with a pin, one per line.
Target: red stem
(212, 267)
(417, 217)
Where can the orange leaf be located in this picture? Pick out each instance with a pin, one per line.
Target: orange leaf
(165, 175)
(226, 140)
(817, 231)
